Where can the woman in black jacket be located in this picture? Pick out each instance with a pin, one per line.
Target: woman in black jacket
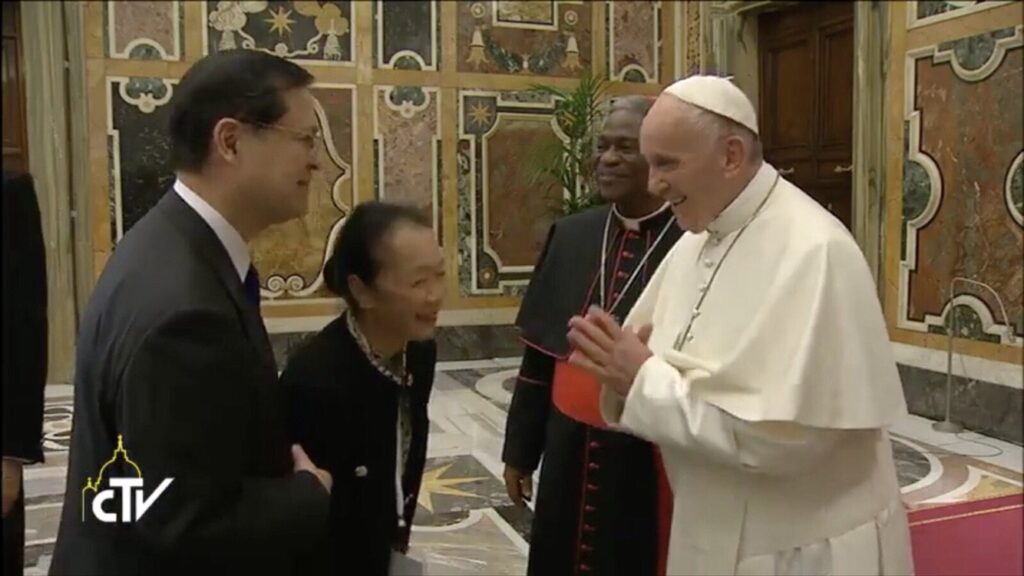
(358, 390)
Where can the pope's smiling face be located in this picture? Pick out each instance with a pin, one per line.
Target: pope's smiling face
(693, 165)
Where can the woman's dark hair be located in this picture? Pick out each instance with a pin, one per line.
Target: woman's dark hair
(357, 250)
(241, 84)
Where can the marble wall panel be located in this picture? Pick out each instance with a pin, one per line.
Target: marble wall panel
(505, 207)
(138, 148)
(291, 256)
(634, 39)
(407, 138)
(960, 171)
(310, 31)
(546, 38)
(406, 35)
(140, 30)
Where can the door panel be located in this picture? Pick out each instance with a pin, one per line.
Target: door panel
(807, 99)
(15, 142)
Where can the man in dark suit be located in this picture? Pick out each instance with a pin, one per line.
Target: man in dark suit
(24, 318)
(174, 364)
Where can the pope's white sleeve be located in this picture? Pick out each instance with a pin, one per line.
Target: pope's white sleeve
(661, 409)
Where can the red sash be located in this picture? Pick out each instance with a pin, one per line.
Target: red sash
(577, 393)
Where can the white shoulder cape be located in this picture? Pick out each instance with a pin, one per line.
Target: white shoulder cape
(791, 329)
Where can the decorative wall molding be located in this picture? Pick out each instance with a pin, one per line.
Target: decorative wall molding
(483, 115)
(645, 17)
(146, 95)
(327, 31)
(134, 13)
(1014, 189)
(388, 14)
(280, 288)
(923, 176)
(953, 10)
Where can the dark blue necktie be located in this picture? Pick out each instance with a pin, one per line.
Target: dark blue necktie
(252, 286)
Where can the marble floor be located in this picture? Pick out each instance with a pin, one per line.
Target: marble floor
(466, 524)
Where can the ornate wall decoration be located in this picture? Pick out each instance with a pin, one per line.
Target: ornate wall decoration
(921, 13)
(551, 38)
(497, 211)
(504, 211)
(407, 143)
(138, 148)
(1015, 189)
(959, 214)
(309, 31)
(143, 30)
(405, 35)
(291, 256)
(692, 31)
(634, 41)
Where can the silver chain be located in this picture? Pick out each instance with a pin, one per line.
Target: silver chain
(683, 335)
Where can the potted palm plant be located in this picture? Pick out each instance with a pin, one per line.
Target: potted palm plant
(569, 163)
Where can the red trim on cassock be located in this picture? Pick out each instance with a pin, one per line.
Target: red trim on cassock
(577, 394)
(665, 503)
(539, 348)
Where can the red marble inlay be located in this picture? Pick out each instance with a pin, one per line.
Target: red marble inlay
(972, 130)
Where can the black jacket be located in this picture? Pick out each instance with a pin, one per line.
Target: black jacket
(24, 318)
(344, 412)
(172, 357)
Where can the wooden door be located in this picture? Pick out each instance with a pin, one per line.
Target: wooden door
(15, 144)
(807, 99)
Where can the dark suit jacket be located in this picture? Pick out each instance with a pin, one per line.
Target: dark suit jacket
(24, 319)
(344, 412)
(173, 357)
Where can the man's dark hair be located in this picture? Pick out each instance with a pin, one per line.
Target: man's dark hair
(357, 250)
(246, 85)
(639, 104)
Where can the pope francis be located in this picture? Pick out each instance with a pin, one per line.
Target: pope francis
(757, 358)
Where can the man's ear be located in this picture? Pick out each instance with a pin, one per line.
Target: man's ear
(362, 293)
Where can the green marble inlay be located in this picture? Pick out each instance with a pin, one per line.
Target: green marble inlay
(1017, 188)
(931, 8)
(144, 52)
(412, 94)
(917, 189)
(407, 63)
(968, 325)
(973, 52)
(634, 76)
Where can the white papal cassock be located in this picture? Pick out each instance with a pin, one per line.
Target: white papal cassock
(770, 407)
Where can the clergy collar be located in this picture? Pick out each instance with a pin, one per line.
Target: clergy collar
(635, 224)
(742, 208)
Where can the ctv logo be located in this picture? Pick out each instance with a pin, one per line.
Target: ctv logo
(104, 503)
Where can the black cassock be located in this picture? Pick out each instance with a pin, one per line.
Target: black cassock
(603, 505)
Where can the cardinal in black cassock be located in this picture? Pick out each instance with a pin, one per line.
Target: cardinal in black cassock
(603, 505)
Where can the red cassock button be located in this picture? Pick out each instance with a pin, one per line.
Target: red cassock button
(584, 568)
(626, 254)
(591, 488)
(586, 548)
(588, 528)
(622, 274)
(595, 445)
(593, 466)
(589, 508)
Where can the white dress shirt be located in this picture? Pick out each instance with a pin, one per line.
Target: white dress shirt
(233, 242)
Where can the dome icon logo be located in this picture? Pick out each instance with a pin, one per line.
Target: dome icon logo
(133, 501)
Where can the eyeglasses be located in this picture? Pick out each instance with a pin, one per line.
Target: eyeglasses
(310, 139)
